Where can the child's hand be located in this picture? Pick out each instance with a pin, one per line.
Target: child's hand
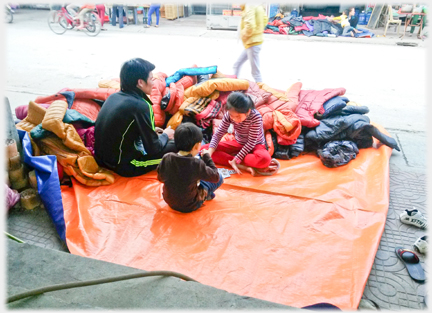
(158, 130)
(204, 151)
(234, 166)
(170, 132)
(211, 150)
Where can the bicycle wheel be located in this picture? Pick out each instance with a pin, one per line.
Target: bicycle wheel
(93, 24)
(55, 21)
(65, 24)
(9, 16)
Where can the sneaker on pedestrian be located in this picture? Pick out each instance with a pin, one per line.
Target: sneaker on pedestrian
(421, 244)
(146, 26)
(413, 217)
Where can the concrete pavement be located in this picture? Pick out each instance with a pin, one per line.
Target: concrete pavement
(399, 111)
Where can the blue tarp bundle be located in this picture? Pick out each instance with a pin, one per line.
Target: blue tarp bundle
(48, 182)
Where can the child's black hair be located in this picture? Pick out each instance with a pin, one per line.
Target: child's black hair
(186, 136)
(240, 102)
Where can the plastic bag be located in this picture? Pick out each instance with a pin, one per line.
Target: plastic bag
(12, 197)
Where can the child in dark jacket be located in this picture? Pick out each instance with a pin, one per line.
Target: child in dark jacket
(188, 181)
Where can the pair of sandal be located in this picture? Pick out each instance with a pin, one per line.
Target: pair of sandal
(410, 259)
(412, 264)
(416, 218)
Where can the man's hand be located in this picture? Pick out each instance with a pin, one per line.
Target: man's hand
(170, 132)
(234, 166)
(158, 130)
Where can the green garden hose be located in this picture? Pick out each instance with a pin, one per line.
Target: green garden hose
(13, 237)
(39, 291)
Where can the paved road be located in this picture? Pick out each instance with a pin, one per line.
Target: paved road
(39, 62)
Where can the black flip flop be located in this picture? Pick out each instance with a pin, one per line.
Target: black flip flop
(412, 263)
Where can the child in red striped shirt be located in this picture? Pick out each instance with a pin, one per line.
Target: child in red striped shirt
(248, 150)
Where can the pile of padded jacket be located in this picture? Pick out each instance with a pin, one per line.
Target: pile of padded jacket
(309, 26)
(294, 120)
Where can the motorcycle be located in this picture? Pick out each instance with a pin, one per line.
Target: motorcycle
(8, 14)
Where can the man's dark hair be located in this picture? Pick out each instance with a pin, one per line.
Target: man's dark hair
(132, 71)
(186, 136)
(240, 102)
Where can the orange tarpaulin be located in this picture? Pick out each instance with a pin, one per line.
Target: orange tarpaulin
(306, 235)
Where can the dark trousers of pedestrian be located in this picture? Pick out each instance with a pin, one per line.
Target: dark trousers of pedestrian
(153, 8)
(117, 10)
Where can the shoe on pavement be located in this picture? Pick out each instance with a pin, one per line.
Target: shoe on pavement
(421, 244)
(146, 26)
(413, 217)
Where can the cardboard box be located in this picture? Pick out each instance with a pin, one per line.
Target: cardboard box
(173, 11)
(237, 12)
(227, 12)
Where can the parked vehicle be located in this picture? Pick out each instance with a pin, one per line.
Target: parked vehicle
(8, 14)
(59, 21)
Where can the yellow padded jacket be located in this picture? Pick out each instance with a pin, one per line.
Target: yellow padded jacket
(253, 22)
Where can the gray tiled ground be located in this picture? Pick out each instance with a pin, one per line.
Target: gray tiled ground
(34, 227)
(389, 284)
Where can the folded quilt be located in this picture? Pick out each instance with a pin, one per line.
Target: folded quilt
(216, 84)
(70, 117)
(65, 143)
(204, 118)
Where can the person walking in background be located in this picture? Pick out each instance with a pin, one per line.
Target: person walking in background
(88, 7)
(253, 22)
(101, 12)
(156, 9)
(73, 9)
